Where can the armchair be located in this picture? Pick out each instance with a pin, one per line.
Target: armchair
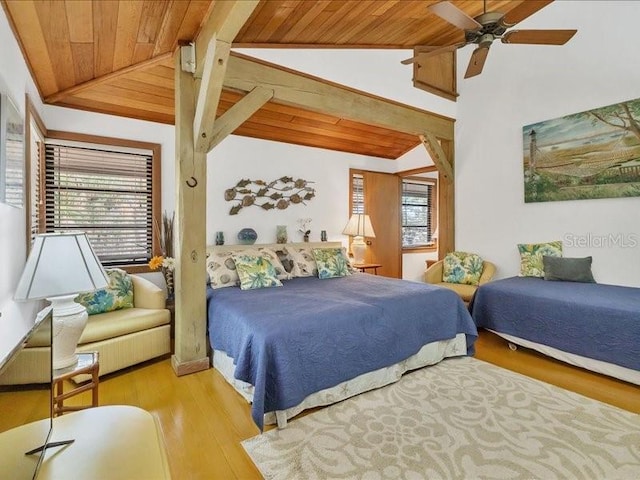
(433, 275)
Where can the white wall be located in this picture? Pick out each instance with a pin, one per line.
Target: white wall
(521, 85)
(239, 158)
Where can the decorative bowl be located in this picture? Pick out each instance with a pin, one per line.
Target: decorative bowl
(247, 236)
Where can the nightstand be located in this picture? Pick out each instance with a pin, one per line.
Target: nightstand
(363, 267)
(87, 363)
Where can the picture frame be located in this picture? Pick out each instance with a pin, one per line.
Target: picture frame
(11, 153)
(587, 155)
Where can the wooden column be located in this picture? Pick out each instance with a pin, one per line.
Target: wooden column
(190, 275)
(446, 203)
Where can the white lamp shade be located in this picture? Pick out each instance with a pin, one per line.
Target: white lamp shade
(359, 225)
(60, 264)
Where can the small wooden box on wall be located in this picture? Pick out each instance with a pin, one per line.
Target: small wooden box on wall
(436, 74)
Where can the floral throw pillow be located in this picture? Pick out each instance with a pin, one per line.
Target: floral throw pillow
(117, 295)
(304, 263)
(531, 257)
(462, 267)
(331, 262)
(255, 271)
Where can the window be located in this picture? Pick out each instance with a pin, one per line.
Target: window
(357, 194)
(417, 213)
(108, 188)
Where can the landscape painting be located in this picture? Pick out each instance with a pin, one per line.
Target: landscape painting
(592, 154)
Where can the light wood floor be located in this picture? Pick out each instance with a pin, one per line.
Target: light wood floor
(204, 420)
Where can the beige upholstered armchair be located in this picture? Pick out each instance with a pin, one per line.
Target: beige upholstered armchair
(433, 275)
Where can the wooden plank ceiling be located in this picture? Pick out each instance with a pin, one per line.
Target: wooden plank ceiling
(115, 56)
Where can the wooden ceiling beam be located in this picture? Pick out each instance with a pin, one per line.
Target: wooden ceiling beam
(71, 91)
(438, 156)
(224, 22)
(238, 114)
(215, 65)
(295, 88)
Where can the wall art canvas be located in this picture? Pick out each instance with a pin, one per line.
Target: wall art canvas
(591, 154)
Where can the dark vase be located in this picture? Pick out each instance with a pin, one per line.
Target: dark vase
(247, 236)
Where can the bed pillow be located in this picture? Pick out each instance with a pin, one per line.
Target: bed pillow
(255, 271)
(118, 294)
(531, 254)
(304, 263)
(568, 269)
(331, 262)
(222, 269)
(462, 268)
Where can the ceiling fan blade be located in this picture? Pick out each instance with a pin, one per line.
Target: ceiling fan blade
(476, 63)
(539, 37)
(426, 52)
(452, 14)
(524, 10)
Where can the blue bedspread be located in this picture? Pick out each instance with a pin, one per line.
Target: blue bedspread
(593, 320)
(312, 334)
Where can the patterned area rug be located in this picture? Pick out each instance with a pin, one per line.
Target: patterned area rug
(462, 418)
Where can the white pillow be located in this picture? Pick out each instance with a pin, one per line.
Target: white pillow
(222, 268)
(304, 263)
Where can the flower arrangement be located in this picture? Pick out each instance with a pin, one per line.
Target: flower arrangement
(304, 228)
(166, 261)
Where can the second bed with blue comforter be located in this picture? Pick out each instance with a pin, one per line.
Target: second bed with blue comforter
(312, 334)
(592, 320)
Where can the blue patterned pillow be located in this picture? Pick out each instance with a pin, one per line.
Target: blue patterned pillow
(255, 272)
(463, 268)
(331, 262)
(116, 296)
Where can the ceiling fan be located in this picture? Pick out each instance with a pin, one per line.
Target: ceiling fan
(487, 27)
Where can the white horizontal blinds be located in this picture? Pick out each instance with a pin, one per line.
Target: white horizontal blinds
(105, 193)
(357, 194)
(14, 179)
(36, 187)
(416, 213)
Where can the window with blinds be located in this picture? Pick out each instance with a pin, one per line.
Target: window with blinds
(357, 194)
(104, 192)
(417, 206)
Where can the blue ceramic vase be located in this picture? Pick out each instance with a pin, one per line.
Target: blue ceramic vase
(247, 236)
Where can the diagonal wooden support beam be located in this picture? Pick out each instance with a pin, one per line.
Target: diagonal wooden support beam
(238, 114)
(318, 95)
(225, 21)
(215, 66)
(438, 156)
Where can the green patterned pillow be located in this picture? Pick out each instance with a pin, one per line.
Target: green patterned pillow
(462, 267)
(331, 262)
(116, 296)
(531, 264)
(255, 272)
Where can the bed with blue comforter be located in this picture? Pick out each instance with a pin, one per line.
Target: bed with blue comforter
(311, 334)
(594, 321)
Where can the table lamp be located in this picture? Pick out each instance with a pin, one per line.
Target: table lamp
(359, 226)
(59, 267)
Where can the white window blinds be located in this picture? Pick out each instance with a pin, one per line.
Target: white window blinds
(105, 193)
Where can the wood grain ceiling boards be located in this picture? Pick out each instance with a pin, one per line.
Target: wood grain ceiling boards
(355, 23)
(113, 56)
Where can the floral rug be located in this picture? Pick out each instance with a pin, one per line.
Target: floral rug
(460, 419)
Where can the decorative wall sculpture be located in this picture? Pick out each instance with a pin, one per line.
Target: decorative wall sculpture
(592, 154)
(278, 194)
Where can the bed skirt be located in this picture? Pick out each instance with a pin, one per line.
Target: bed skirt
(598, 366)
(429, 354)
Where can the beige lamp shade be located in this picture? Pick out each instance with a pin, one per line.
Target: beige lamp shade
(359, 225)
(60, 264)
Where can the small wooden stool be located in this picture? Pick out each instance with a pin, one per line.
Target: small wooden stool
(87, 363)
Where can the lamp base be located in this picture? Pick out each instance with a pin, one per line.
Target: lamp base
(359, 249)
(69, 320)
